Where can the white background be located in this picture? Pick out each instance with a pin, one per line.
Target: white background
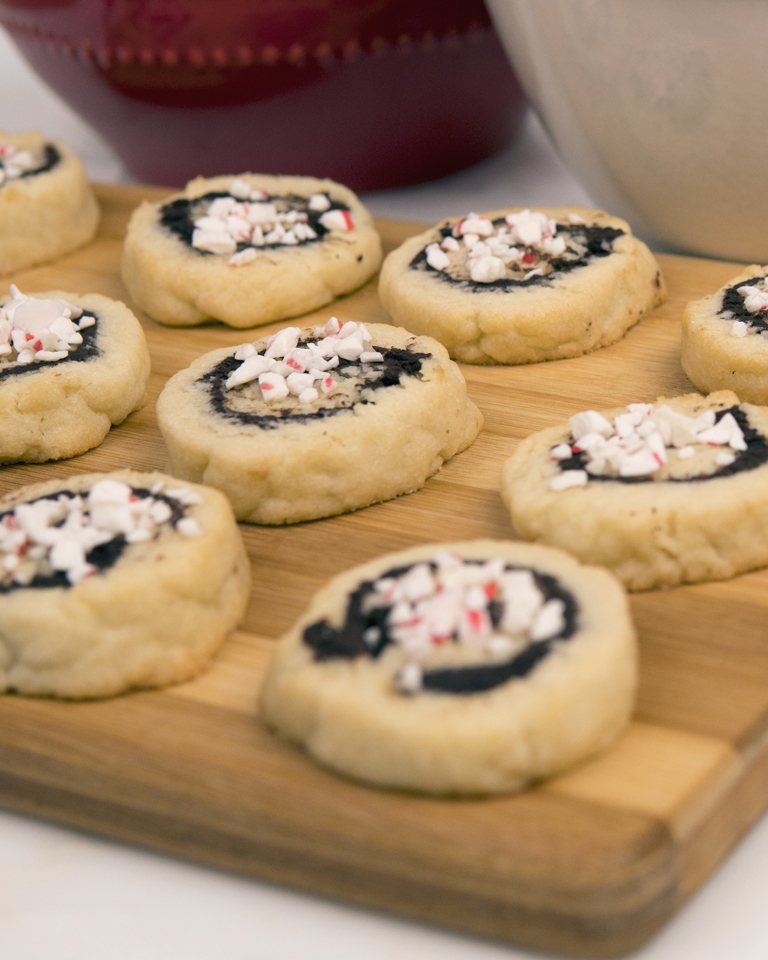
(66, 896)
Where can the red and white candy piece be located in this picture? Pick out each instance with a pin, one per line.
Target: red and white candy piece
(337, 221)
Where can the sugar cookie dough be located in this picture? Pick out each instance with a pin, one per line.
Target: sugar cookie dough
(47, 207)
(315, 422)
(114, 581)
(519, 286)
(725, 338)
(70, 366)
(248, 250)
(661, 494)
(462, 668)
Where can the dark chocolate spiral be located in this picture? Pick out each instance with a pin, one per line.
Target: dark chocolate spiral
(347, 641)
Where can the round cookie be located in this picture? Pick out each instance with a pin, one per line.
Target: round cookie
(463, 668)
(47, 207)
(520, 286)
(71, 366)
(311, 423)
(114, 581)
(725, 338)
(248, 250)
(661, 494)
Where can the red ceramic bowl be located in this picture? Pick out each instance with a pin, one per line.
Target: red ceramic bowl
(375, 93)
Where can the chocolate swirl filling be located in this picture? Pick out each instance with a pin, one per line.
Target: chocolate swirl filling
(397, 363)
(584, 243)
(346, 641)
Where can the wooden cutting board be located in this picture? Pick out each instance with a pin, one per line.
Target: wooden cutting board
(589, 863)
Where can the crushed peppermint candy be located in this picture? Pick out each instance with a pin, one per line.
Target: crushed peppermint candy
(56, 534)
(487, 608)
(520, 243)
(248, 219)
(523, 247)
(15, 162)
(638, 441)
(293, 365)
(33, 328)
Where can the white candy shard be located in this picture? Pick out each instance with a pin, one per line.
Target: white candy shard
(319, 202)
(477, 225)
(248, 255)
(638, 464)
(549, 620)
(739, 328)
(408, 680)
(250, 370)
(299, 382)
(189, 527)
(562, 451)
(725, 431)
(437, 258)
(282, 342)
(240, 189)
(590, 421)
(525, 600)
(213, 241)
(487, 269)
(569, 478)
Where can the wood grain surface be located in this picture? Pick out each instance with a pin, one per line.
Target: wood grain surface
(589, 863)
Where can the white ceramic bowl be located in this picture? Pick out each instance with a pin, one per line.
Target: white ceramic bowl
(659, 108)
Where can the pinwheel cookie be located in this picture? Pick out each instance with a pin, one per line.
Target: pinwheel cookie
(115, 581)
(461, 668)
(71, 366)
(664, 493)
(520, 286)
(248, 250)
(47, 207)
(725, 338)
(314, 422)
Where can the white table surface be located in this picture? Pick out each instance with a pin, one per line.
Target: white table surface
(67, 896)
